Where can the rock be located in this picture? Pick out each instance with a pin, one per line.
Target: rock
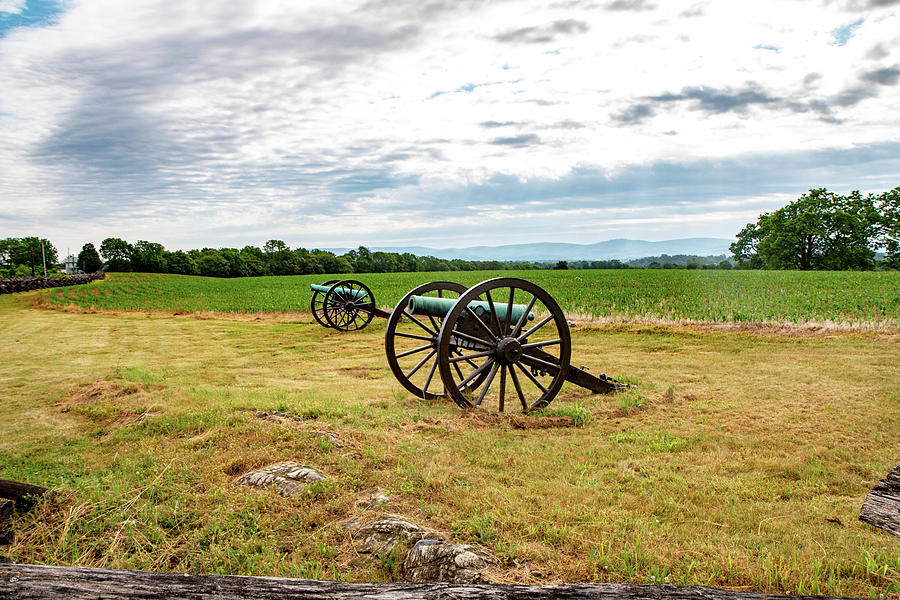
(432, 560)
(277, 415)
(377, 501)
(383, 535)
(288, 478)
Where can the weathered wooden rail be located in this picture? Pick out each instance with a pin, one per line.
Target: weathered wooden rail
(77, 583)
(881, 507)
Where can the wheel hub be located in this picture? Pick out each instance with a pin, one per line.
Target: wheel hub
(509, 350)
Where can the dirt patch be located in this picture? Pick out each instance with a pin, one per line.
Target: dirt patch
(357, 372)
(92, 393)
(526, 422)
(111, 404)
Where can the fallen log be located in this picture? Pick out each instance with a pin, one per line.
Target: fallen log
(40, 582)
(881, 507)
(17, 492)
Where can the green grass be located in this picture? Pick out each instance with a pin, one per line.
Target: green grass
(739, 460)
(669, 295)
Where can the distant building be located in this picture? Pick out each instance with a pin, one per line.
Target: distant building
(70, 262)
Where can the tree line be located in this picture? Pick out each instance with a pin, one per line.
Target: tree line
(822, 230)
(274, 258)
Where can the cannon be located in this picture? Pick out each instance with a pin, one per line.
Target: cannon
(345, 305)
(503, 340)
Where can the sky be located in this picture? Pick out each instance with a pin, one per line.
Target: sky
(443, 123)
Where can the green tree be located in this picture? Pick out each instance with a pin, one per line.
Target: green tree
(561, 266)
(6, 249)
(819, 230)
(16, 253)
(361, 259)
(280, 259)
(888, 207)
(212, 264)
(88, 259)
(148, 257)
(254, 261)
(236, 266)
(331, 263)
(180, 262)
(117, 254)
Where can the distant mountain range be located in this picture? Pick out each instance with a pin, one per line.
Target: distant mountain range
(621, 249)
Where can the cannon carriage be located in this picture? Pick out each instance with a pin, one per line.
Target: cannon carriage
(345, 305)
(504, 342)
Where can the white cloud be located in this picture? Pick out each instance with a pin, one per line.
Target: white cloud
(182, 121)
(12, 6)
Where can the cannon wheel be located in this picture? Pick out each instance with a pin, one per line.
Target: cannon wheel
(317, 304)
(348, 305)
(416, 345)
(530, 357)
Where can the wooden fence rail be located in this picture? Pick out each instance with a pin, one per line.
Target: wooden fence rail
(882, 506)
(77, 583)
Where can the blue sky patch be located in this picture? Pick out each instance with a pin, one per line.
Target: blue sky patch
(775, 49)
(37, 13)
(843, 33)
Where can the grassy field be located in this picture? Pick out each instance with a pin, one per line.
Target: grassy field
(740, 460)
(871, 299)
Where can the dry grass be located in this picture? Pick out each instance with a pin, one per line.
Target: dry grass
(740, 460)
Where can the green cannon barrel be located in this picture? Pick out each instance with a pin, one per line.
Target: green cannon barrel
(344, 291)
(439, 307)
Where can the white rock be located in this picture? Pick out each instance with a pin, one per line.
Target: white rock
(289, 479)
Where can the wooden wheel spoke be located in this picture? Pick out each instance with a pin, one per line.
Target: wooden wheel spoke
(415, 350)
(509, 305)
(480, 322)
(555, 342)
(430, 376)
(474, 374)
(487, 383)
(502, 386)
(494, 318)
(532, 378)
(472, 338)
(533, 360)
(459, 371)
(409, 315)
(413, 336)
(524, 317)
(469, 357)
(421, 362)
(543, 322)
(518, 386)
